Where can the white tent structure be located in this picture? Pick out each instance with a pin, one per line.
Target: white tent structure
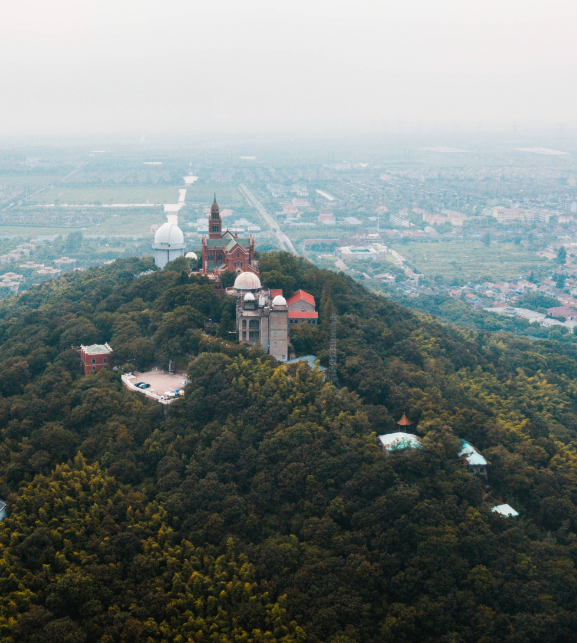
(505, 510)
(398, 441)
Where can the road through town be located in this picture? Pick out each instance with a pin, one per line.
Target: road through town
(285, 242)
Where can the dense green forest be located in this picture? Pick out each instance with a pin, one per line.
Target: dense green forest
(258, 507)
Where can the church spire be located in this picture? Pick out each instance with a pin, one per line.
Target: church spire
(215, 222)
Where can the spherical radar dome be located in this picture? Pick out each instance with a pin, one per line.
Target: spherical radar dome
(249, 296)
(247, 281)
(279, 300)
(191, 255)
(169, 234)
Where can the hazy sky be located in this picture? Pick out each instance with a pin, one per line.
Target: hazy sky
(73, 66)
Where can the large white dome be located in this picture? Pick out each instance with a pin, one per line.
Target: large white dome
(279, 300)
(169, 235)
(247, 281)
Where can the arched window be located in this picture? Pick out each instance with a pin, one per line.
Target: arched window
(94, 368)
(244, 323)
(93, 361)
(253, 323)
(105, 360)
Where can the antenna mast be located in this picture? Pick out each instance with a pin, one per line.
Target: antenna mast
(333, 378)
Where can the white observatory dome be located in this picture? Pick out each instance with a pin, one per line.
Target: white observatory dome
(279, 300)
(168, 243)
(191, 255)
(249, 297)
(169, 235)
(247, 281)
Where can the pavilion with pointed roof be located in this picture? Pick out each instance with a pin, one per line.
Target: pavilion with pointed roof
(404, 421)
(225, 250)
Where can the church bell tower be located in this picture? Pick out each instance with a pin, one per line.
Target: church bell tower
(215, 222)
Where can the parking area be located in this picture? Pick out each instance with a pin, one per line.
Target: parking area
(161, 384)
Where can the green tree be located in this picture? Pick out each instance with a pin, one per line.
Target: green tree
(227, 278)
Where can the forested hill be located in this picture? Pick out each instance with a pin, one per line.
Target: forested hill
(258, 507)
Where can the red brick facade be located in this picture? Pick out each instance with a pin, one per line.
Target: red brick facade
(95, 357)
(224, 250)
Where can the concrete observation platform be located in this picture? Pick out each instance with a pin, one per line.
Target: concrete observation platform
(163, 386)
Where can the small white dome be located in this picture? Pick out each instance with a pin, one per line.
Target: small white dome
(249, 297)
(279, 300)
(191, 255)
(169, 234)
(247, 281)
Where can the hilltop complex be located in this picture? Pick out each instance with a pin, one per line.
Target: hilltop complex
(264, 316)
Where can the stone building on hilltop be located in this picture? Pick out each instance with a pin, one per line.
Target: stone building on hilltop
(264, 316)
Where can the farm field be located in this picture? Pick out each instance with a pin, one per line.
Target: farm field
(128, 222)
(227, 195)
(29, 179)
(110, 195)
(470, 260)
(28, 232)
(121, 221)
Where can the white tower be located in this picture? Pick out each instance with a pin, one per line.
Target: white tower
(168, 242)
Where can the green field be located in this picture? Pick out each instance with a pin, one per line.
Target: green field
(110, 195)
(470, 260)
(121, 222)
(227, 195)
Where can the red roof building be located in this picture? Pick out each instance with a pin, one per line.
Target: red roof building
(559, 311)
(301, 306)
(303, 315)
(298, 296)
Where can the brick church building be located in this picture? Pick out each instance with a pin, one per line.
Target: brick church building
(224, 250)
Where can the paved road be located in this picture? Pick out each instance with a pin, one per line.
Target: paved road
(284, 241)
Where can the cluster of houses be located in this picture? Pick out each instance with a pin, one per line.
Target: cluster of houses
(23, 250)
(501, 298)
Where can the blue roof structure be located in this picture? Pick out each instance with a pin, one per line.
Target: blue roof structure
(309, 359)
(471, 455)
